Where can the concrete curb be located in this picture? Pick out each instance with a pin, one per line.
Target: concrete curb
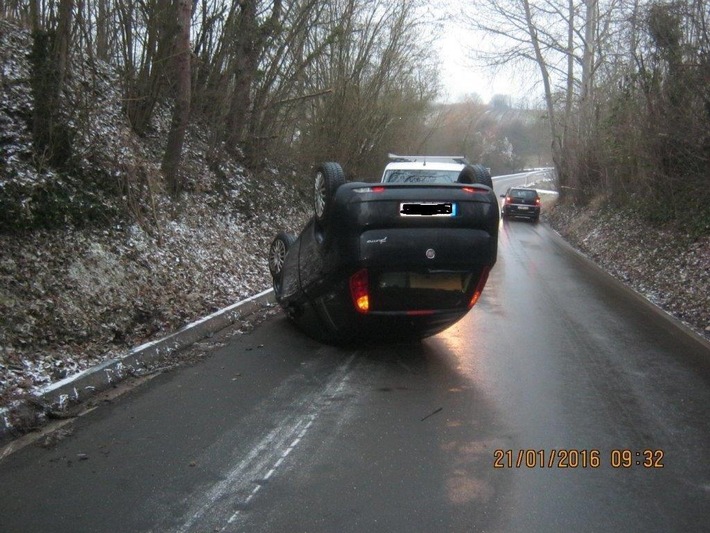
(79, 387)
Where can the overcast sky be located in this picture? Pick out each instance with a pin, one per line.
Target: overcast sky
(460, 76)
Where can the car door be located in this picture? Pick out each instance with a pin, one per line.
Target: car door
(310, 258)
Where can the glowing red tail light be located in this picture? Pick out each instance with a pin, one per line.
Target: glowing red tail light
(479, 287)
(360, 291)
(537, 201)
(378, 189)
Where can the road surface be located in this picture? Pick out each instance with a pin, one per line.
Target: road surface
(562, 402)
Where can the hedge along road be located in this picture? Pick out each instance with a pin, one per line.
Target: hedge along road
(525, 416)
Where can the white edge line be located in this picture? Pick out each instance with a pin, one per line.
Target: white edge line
(132, 351)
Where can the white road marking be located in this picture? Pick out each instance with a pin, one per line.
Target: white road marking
(264, 460)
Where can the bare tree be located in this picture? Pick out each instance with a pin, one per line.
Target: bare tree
(148, 32)
(103, 29)
(181, 111)
(541, 35)
(50, 62)
(251, 36)
(373, 69)
(62, 40)
(287, 85)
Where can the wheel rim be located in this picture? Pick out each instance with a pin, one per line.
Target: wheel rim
(277, 256)
(320, 193)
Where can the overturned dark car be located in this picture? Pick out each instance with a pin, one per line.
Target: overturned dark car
(381, 261)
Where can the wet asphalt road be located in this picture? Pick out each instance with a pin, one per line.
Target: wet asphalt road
(276, 432)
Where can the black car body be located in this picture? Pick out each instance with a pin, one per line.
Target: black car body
(521, 202)
(380, 260)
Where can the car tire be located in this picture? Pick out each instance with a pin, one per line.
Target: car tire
(277, 255)
(483, 175)
(475, 174)
(329, 176)
(467, 175)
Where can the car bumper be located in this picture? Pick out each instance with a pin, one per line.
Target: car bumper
(340, 324)
(521, 211)
(333, 316)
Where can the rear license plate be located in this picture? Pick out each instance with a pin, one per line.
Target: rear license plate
(523, 207)
(428, 209)
(451, 282)
(413, 280)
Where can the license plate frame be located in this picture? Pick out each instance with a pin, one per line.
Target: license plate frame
(427, 209)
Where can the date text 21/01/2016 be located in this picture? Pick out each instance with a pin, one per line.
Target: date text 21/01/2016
(572, 458)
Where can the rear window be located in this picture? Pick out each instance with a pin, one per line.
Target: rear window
(526, 194)
(420, 176)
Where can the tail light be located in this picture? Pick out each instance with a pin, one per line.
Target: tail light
(537, 201)
(508, 200)
(360, 291)
(479, 287)
(376, 188)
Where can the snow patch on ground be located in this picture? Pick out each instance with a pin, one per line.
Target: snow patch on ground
(667, 265)
(72, 299)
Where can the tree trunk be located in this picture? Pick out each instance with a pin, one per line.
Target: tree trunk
(549, 102)
(588, 54)
(61, 45)
(244, 69)
(144, 91)
(567, 158)
(50, 60)
(251, 42)
(34, 16)
(102, 31)
(181, 112)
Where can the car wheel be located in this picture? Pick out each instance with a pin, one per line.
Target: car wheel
(483, 176)
(329, 176)
(475, 174)
(277, 254)
(467, 175)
